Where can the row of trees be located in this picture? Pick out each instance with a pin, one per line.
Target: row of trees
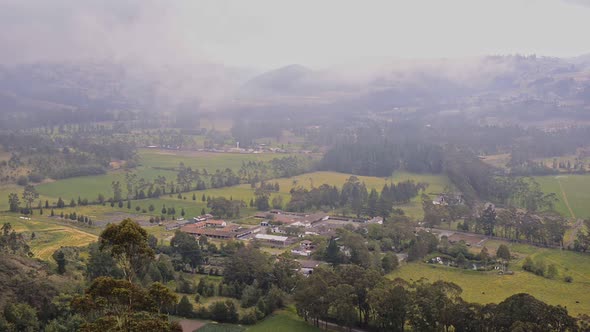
(349, 295)
(188, 179)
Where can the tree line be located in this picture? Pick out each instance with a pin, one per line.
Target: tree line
(127, 289)
(355, 197)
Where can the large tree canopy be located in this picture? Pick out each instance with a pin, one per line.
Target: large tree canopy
(127, 242)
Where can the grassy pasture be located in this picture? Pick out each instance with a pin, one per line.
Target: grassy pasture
(90, 186)
(284, 320)
(216, 327)
(489, 287)
(219, 123)
(199, 160)
(576, 191)
(105, 214)
(49, 235)
(13, 188)
(85, 187)
(288, 140)
(436, 184)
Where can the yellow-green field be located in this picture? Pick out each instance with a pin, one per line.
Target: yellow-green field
(489, 287)
(49, 235)
(572, 190)
(199, 160)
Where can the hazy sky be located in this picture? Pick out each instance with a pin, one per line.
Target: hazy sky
(270, 33)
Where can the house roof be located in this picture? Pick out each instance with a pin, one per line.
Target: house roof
(228, 231)
(216, 222)
(271, 237)
(309, 264)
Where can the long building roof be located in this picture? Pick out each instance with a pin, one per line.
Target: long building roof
(271, 237)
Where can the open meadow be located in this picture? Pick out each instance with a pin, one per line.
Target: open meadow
(283, 320)
(91, 186)
(573, 193)
(200, 159)
(151, 162)
(489, 287)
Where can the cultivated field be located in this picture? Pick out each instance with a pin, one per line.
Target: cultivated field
(49, 235)
(488, 287)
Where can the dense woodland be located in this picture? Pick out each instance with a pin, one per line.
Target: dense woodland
(354, 197)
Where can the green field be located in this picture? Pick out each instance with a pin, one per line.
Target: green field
(90, 186)
(215, 327)
(572, 189)
(13, 188)
(49, 235)
(199, 160)
(436, 184)
(217, 122)
(489, 287)
(284, 320)
(85, 186)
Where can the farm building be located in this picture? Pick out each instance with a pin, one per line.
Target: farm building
(274, 240)
(230, 231)
(375, 220)
(307, 266)
(301, 252)
(215, 223)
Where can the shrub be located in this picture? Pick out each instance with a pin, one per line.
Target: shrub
(503, 252)
(568, 279)
(528, 265)
(249, 318)
(224, 312)
(552, 271)
(540, 268)
(184, 307)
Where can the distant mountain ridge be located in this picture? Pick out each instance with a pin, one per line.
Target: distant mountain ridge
(105, 88)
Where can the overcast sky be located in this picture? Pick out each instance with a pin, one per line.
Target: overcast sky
(271, 33)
